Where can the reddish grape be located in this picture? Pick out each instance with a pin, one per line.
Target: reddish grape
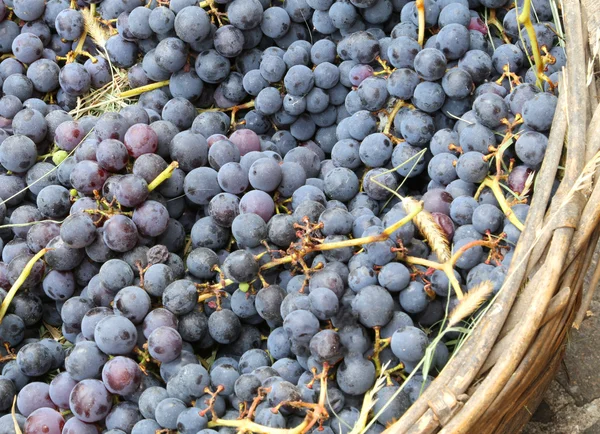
(518, 178)
(246, 141)
(88, 176)
(121, 375)
(44, 420)
(120, 233)
(445, 223)
(359, 72)
(215, 138)
(140, 139)
(258, 202)
(68, 135)
(90, 401)
(477, 24)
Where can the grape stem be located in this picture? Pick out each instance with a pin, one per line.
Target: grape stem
(493, 20)
(316, 413)
(494, 185)
(140, 90)
(19, 282)
(525, 19)
(211, 401)
(212, 10)
(448, 266)
(388, 126)
(420, 5)
(10, 356)
(297, 251)
(163, 176)
(378, 346)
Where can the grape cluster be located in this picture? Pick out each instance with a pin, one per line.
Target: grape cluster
(301, 193)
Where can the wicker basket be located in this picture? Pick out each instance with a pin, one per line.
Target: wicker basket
(499, 376)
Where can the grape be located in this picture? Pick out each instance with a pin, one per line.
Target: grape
(90, 401)
(115, 335)
(33, 396)
(164, 344)
(356, 375)
(120, 233)
(78, 230)
(409, 344)
(371, 313)
(538, 112)
(27, 47)
(472, 167)
(87, 176)
(487, 217)
(414, 299)
(417, 128)
(490, 109)
(442, 168)
(17, 153)
(18, 85)
(112, 155)
(224, 375)
(402, 82)
(257, 202)
(133, 303)
(240, 266)
(123, 417)
(34, 359)
(477, 63)
(8, 392)
(249, 230)
(151, 218)
(44, 420)
(190, 421)
(75, 426)
(179, 297)
(85, 361)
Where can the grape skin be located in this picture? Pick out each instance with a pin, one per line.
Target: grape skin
(275, 131)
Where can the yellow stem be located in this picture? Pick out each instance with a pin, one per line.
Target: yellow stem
(276, 262)
(420, 5)
(313, 416)
(370, 239)
(140, 90)
(525, 20)
(494, 185)
(19, 282)
(388, 126)
(414, 260)
(393, 228)
(163, 176)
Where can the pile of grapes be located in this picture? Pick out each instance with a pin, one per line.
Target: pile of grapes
(243, 216)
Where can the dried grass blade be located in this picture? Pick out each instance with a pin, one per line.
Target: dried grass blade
(430, 229)
(470, 302)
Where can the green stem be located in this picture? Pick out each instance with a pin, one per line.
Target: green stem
(19, 282)
(525, 19)
(140, 90)
(163, 176)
